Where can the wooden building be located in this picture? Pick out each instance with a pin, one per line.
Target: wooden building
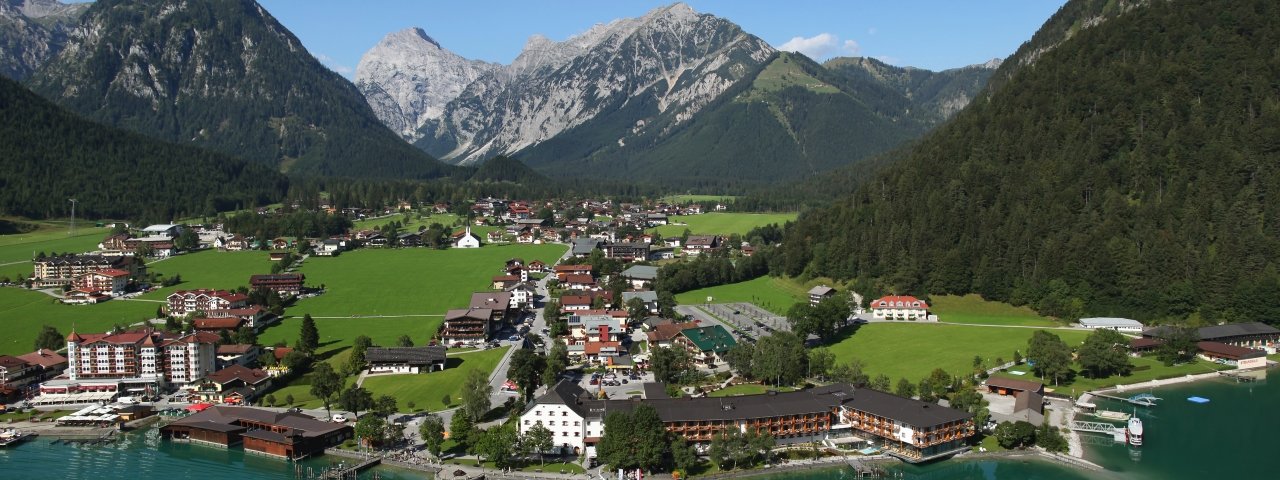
(286, 435)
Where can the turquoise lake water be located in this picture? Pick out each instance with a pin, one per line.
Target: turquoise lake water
(1230, 437)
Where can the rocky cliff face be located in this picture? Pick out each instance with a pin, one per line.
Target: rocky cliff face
(672, 60)
(32, 32)
(408, 79)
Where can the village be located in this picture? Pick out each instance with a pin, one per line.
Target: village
(503, 331)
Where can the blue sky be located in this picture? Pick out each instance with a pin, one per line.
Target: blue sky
(928, 34)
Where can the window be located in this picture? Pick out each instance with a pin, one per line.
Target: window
(564, 423)
(575, 434)
(526, 422)
(576, 423)
(564, 414)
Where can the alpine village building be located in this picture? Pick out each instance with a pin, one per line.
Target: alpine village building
(285, 435)
(909, 429)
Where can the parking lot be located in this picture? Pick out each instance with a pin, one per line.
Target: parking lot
(612, 384)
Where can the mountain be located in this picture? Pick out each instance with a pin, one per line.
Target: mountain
(48, 155)
(637, 75)
(33, 31)
(1131, 170)
(225, 75)
(408, 78)
(931, 97)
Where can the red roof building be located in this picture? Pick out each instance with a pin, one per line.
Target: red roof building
(900, 307)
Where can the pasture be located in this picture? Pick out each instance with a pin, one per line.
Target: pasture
(209, 269)
(911, 350)
(23, 312)
(720, 223)
(410, 281)
(775, 294)
(973, 309)
(1145, 369)
(17, 250)
(427, 390)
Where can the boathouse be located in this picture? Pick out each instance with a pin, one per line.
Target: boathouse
(285, 435)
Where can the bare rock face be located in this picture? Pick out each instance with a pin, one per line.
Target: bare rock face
(673, 60)
(408, 79)
(32, 32)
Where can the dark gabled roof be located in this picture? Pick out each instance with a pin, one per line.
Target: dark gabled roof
(267, 435)
(491, 300)
(905, 410)
(641, 272)
(655, 391)
(410, 355)
(1218, 332)
(1028, 400)
(472, 313)
(1229, 351)
(568, 393)
(1015, 384)
(250, 376)
(215, 426)
(227, 417)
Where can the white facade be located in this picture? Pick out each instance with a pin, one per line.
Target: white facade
(398, 368)
(467, 240)
(1117, 324)
(897, 307)
(568, 429)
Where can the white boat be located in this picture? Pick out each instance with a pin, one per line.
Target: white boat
(1134, 431)
(13, 436)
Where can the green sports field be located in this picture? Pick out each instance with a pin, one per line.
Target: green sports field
(972, 309)
(912, 350)
(427, 390)
(23, 312)
(408, 281)
(721, 223)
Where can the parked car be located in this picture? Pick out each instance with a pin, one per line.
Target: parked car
(340, 417)
(514, 338)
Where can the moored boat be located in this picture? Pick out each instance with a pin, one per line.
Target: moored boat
(13, 436)
(1133, 433)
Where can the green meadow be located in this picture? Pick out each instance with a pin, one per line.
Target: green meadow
(209, 269)
(912, 350)
(17, 250)
(1145, 369)
(427, 390)
(775, 294)
(721, 223)
(410, 281)
(972, 309)
(23, 312)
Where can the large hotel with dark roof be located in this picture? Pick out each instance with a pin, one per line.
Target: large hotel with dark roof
(912, 430)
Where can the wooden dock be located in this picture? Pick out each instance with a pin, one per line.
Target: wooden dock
(352, 471)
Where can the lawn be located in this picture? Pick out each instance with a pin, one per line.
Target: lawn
(209, 269)
(745, 389)
(681, 199)
(721, 223)
(912, 350)
(409, 224)
(23, 312)
(411, 281)
(17, 250)
(1152, 369)
(338, 334)
(775, 294)
(972, 309)
(427, 390)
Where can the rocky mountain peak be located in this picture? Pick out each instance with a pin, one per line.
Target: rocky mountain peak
(32, 32)
(408, 78)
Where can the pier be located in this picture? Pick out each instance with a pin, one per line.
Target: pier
(351, 471)
(1141, 399)
(1117, 433)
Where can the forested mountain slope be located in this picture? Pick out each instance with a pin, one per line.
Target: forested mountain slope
(1133, 169)
(48, 155)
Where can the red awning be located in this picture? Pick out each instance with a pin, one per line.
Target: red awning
(199, 407)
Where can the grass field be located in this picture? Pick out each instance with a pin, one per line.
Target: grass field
(17, 250)
(446, 219)
(775, 294)
(427, 390)
(972, 309)
(679, 199)
(23, 312)
(1154, 370)
(745, 389)
(721, 223)
(408, 281)
(209, 269)
(912, 350)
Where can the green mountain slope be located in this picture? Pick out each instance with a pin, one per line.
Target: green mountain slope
(793, 118)
(225, 75)
(48, 155)
(1132, 170)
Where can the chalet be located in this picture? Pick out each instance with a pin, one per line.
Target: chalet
(15, 372)
(114, 244)
(519, 271)
(526, 237)
(286, 435)
(498, 302)
(442, 207)
(183, 302)
(748, 250)
(656, 219)
(242, 354)
(596, 328)
(663, 334)
(503, 282)
(699, 244)
(819, 293)
(216, 325)
(900, 307)
(466, 326)
(405, 359)
(235, 384)
(328, 248)
(110, 281)
(164, 230)
(673, 242)
(521, 295)
(47, 363)
(627, 251)
(465, 239)
(236, 243)
(254, 317)
(409, 239)
(563, 271)
(494, 236)
(575, 303)
(582, 247)
(579, 281)
(537, 266)
(706, 344)
(281, 283)
(640, 276)
(648, 297)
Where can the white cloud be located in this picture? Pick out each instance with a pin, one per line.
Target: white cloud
(334, 65)
(821, 46)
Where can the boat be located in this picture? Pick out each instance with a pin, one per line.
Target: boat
(1133, 433)
(13, 436)
(1112, 415)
